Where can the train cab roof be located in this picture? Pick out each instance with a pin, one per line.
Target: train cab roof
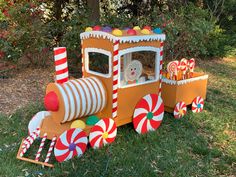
(128, 35)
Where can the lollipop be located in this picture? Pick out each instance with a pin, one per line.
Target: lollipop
(71, 143)
(172, 69)
(104, 132)
(184, 66)
(148, 113)
(197, 105)
(191, 66)
(180, 110)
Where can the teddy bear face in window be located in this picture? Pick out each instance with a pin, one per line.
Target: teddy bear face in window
(133, 72)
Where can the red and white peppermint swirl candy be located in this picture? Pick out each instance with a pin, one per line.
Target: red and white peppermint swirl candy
(191, 64)
(172, 67)
(180, 110)
(102, 133)
(183, 64)
(72, 142)
(197, 105)
(148, 113)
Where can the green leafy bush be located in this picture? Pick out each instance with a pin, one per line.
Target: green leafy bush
(190, 32)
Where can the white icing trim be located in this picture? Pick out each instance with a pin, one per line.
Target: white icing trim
(185, 81)
(122, 39)
(105, 52)
(137, 49)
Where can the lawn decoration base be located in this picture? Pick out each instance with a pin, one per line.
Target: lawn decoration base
(118, 86)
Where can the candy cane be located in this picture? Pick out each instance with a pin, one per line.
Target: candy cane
(172, 69)
(30, 137)
(50, 149)
(29, 142)
(191, 66)
(184, 66)
(41, 147)
(115, 78)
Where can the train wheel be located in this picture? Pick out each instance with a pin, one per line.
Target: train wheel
(72, 142)
(148, 113)
(180, 110)
(197, 105)
(102, 133)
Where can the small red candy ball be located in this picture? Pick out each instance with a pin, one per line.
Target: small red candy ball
(51, 101)
(97, 28)
(148, 28)
(132, 32)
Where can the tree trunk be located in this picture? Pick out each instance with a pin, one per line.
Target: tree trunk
(94, 7)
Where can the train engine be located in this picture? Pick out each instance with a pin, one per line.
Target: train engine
(121, 83)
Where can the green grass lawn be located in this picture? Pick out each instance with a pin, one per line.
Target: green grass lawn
(201, 144)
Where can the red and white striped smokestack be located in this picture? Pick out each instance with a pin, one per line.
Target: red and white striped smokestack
(61, 65)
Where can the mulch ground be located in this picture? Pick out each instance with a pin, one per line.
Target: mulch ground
(22, 87)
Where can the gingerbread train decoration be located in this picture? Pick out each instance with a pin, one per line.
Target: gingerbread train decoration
(122, 82)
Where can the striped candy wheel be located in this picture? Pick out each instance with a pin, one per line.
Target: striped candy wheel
(102, 133)
(197, 105)
(148, 113)
(180, 110)
(70, 143)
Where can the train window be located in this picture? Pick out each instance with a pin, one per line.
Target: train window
(138, 67)
(98, 62)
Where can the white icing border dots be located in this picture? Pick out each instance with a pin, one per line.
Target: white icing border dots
(185, 81)
(122, 39)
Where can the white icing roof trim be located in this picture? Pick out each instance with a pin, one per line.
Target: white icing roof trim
(181, 82)
(122, 39)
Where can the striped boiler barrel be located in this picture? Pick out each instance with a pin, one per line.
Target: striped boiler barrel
(75, 98)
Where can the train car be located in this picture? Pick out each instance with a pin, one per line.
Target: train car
(183, 87)
(121, 83)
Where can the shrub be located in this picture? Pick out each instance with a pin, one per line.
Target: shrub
(190, 32)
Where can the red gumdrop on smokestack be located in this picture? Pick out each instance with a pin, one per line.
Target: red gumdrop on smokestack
(51, 102)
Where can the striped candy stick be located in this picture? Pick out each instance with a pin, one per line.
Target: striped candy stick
(161, 62)
(172, 69)
(29, 142)
(82, 58)
(191, 66)
(41, 147)
(50, 149)
(184, 66)
(30, 137)
(61, 65)
(115, 78)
